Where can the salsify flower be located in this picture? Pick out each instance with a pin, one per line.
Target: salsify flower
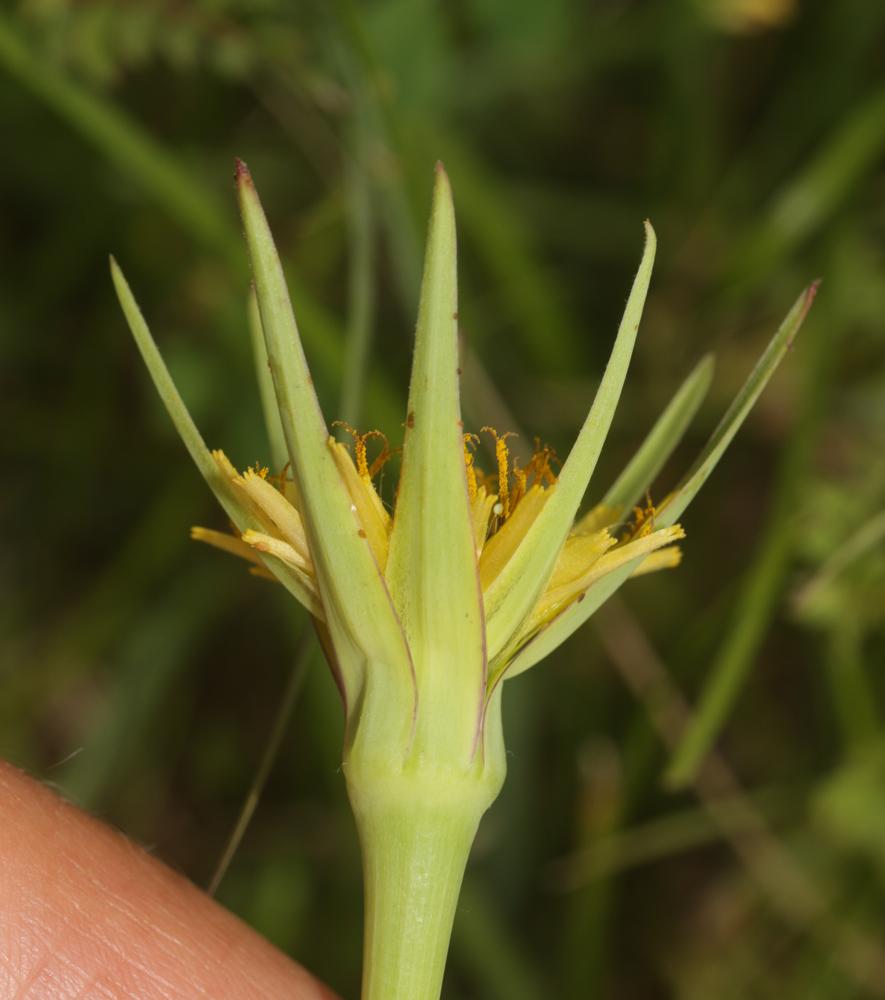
(502, 507)
(471, 579)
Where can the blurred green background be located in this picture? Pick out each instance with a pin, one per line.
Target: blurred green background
(141, 673)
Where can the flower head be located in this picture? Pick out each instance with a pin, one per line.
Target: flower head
(473, 576)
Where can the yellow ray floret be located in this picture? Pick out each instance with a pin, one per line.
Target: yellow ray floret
(504, 542)
(668, 558)
(598, 517)
(503, 507)
(246, 548)
(481, 504)
(226, 542)
(578, 554)
(556, 598)
(370, 511)
(281, 550)
(276, 514)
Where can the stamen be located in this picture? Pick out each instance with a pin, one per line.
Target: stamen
(359, 446)
(383, 456)
(502, 454)
(540, 465)
(365, 470)
(470, 441)
(643, 522)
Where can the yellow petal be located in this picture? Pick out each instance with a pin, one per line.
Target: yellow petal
(578, 554)
(480, 511)
(275, 511)
(225, 466)
(601, 516)
(372, 513)
(226, 542)
(246, 548)
(276, 547)
(668, 558)
(501, 546)
(556, 599)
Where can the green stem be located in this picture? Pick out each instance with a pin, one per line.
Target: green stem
(417, 818)
(414, 861)
(417, 811)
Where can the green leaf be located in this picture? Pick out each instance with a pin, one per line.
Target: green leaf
(577, 613)
(369, 643)
(516, 589)
(432, 568)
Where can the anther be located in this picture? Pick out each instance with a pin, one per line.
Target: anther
(365, 470)
(470, 441)
(502, 455)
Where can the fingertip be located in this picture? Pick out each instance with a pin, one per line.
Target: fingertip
(79, 900)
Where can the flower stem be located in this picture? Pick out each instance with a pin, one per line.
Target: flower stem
(416, 832)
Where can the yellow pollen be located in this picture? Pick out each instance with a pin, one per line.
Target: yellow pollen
(539, 467)
(383, 456)
(502, 454)
(643, 522)
(470, 441)
(365, 470)
(259, 470)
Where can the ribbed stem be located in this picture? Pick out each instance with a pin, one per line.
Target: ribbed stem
(416, 833)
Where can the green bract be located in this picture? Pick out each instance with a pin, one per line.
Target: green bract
(473, 579)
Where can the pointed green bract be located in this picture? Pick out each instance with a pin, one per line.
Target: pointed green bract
(369, 643)
(574, 616)
(278, 452)
(172, 400)
(721, 438)
(516, 589)
(563, 626)
(658, 445)
(193, 440)
(432, 569)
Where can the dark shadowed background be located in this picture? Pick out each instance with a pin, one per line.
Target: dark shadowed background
(141, 673)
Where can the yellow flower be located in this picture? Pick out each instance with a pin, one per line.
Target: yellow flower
(471, 579)
(502, 507)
